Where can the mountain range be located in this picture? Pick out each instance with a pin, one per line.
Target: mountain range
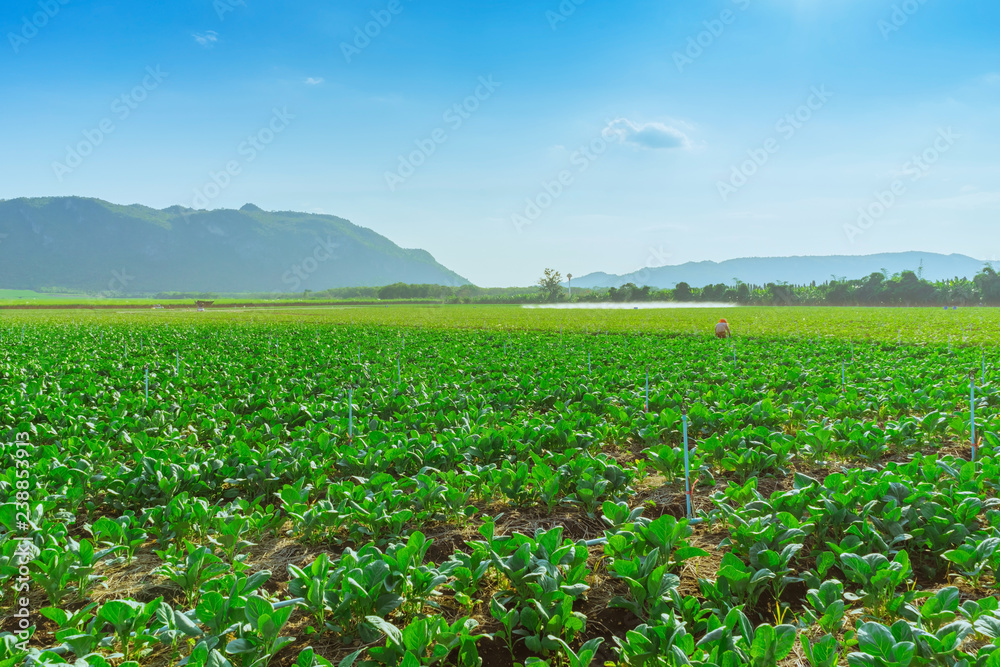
(793, 270)
(90, 245)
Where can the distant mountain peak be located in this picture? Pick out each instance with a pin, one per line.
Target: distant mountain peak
(796, 270)
(85, 244)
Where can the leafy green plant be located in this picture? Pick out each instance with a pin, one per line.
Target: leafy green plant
(827, 606)
(430, 640)
(973, 558)
(877, 576)
(665, 642)
(824, 652)
(408, 576)
(467, 570)
(53, 571)
(737, 584)
(509, 620)
(260, 637)
(119, 532)
(312, 585)
(78, 631)
(229, 537)
(649, 585)
(129, 619)
(668, 536)
(584, 656)
(175, 625)
(768, 644)
(191, 569)
(940, 608)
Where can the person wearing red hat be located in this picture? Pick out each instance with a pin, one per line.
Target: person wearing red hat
(722, 329)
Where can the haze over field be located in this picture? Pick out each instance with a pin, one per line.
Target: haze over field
(503, 138)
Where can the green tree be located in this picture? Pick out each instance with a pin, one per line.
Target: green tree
(988, 283)
(550, 284)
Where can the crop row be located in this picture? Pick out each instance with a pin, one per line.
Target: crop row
(878, 540)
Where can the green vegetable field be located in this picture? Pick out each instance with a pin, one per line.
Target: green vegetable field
(411, 486)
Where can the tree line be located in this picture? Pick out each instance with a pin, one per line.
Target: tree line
(906, 288)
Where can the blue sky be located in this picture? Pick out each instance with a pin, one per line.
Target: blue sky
(588, 137)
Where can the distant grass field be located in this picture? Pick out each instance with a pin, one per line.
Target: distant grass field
(27, 297)
(969, 326)
(15, 296)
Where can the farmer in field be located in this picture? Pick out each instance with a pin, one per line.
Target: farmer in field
(722, 329)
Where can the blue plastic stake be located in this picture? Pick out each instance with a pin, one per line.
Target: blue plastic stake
(687, 465)
(972, 411)
(588, 362)
(350, 414)
(647, 388)
(147, 384)
(984, 367)
(399, 375)
(843, 374)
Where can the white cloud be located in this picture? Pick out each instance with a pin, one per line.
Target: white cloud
(206, 39)
(991, 79)
(968, 201)
(649, 135)
(314, 80)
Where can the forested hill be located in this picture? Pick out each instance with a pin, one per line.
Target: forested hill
(91, 245)
(792, 270)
